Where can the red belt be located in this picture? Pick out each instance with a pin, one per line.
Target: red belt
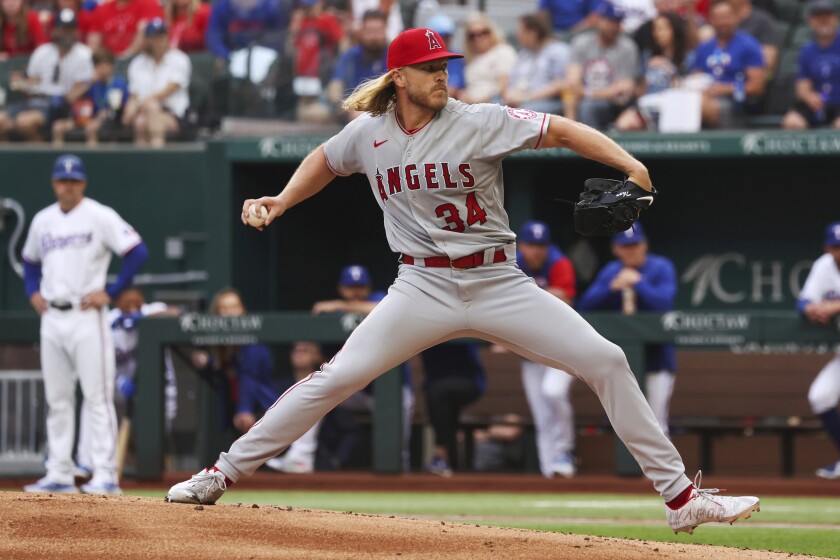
(470, 261)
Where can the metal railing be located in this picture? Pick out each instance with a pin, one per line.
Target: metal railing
(22, 421)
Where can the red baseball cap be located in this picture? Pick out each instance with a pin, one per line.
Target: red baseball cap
(414, 46)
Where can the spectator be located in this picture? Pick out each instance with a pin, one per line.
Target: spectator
(454, 378)
(20, 27)
(819, 302)
(305, 358)
(538, 78)
(83, 16)
(763, 27)
(445, 27)
(157, 81)
(242, 374)
(362, 61)
(129, 307)
(101, 106)
(488, 60)
(602, 72)
(733, 64)
(683, 9)
(818, 83)
(240, 24)
(548, 390)
(56, 76)
(316, 35)
(642, 281)
(662, 65)
(500, 446)
(357, 299)
(636, 13)
(187, 21)
(389, 7)
(118, 25)
(570, 15)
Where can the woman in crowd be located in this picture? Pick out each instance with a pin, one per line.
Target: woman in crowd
(20, 29)
(489, 60)
(187, 21)
(664, 62)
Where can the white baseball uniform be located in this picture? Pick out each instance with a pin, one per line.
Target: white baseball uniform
(74, 250)
(823, 284)
(441, 191)
(126, 341)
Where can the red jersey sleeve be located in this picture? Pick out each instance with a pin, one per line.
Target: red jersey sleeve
(36, 30)
(562, 275)
(150, 10)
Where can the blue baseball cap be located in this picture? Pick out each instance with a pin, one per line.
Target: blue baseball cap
(155, 26)
(832, 235)
(610, 11)
(354, 275)
(69, 167)
(535, 232)
(441, 24)
(633, 234)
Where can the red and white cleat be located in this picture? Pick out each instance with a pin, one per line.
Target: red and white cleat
(705, 506)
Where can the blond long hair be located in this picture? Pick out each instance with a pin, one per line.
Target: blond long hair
(481, 19)
(375, 96)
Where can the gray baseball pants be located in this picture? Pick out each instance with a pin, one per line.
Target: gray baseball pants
(499, 303)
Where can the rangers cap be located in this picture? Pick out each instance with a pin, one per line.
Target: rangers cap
(69, 167)
(354, 275)
(610, 11)
(633, 234)
(414, 46)
(534, 232)
(155, 26)
(832, 235)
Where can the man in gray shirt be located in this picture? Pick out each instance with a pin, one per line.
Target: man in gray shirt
(538, 77)
(601, 75)
(763, 26)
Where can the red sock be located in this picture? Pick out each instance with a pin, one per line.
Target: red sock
(682, 499)
(228, 482)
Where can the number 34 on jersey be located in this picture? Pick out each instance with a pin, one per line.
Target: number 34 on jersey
(435, 176)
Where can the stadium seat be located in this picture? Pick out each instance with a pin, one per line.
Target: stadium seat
(121, 66)
(801, 34)
(790, 11)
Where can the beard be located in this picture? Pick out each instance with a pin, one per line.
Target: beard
(430, 100)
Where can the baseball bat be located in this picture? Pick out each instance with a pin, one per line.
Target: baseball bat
(122, 444)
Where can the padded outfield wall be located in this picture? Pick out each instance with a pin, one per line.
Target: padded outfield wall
(741, 214)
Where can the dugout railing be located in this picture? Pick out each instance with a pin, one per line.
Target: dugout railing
(717, 329)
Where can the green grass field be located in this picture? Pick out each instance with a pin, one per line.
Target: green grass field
(801, 525)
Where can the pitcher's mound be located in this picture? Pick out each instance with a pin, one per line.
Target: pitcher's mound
(99, 527)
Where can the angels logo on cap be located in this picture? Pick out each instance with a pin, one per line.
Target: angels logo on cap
(414, 46)
(433, 42)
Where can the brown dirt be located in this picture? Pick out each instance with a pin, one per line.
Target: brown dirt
(92, 527)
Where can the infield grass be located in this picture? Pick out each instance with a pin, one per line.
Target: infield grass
(799, 525)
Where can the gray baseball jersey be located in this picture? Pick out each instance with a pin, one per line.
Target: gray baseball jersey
(440, 187)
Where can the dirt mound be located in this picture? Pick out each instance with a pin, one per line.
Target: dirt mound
(93, 527)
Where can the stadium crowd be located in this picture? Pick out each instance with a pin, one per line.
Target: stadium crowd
(142, 70)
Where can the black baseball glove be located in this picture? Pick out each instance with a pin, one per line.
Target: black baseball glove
(607, 206)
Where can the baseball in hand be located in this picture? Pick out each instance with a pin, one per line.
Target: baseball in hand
(257, 215)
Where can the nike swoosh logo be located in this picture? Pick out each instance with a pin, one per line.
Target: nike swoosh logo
(650, 198)
(377, 144)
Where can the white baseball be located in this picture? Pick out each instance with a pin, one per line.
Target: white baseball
(257, 215)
